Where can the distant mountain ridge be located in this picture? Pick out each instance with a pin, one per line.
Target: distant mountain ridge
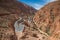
(14, 5)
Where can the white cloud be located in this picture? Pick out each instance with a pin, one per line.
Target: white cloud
(49, 0)
(52, 0)
(37, 6)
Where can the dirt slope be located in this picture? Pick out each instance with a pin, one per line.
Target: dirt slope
(47, 19)
(10, 11)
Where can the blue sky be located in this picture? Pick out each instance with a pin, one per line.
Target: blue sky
(37, 4)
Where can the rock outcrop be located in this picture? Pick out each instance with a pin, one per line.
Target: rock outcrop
(47, 19)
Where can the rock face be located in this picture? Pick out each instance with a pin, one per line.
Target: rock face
(10, 11)
(47, 19)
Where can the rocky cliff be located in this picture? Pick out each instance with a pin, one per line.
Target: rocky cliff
(47, 19)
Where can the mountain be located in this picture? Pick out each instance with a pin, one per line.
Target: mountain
(47, 19)
(10, 12)
(16, 7)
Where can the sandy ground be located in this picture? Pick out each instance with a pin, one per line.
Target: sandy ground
(19, 34)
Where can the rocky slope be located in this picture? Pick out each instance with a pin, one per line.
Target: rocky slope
(17, 7)
(47, 19)
(31, 32)
(10, 11)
